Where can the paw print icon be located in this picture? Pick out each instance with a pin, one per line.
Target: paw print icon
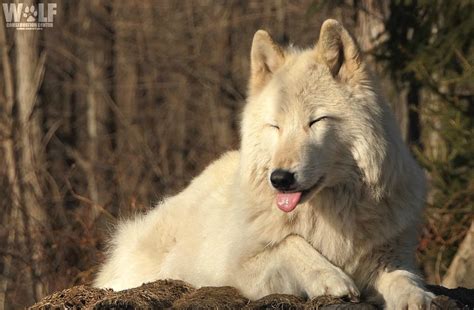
(30, 13)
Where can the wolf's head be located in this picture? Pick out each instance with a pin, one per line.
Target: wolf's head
(313, 119)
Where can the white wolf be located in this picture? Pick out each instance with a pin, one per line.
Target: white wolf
(322, 198)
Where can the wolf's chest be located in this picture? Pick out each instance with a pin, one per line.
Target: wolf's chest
(330, 242)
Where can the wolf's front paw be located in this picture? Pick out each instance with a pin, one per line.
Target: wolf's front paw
(332, 282)
(413, 298)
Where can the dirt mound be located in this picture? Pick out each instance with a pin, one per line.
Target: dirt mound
(180, 295)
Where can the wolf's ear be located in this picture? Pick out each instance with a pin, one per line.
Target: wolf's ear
(339, 51)
(265, 58)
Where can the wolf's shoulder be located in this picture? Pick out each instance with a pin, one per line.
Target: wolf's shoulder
(218, 172)
(227, 162)
(229, 159)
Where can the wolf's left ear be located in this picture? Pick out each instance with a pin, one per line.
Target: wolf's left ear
(265, 58)
(339, 51)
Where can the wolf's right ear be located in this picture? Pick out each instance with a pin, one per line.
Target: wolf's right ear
(265, 58)
(340, 52)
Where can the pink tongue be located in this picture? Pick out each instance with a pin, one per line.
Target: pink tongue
(287, 201)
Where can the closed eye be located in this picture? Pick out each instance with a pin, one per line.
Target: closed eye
(274, 126)
(317, 120)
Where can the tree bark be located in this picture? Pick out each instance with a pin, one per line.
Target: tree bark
(461, 270)
(96, 108)
(125, 91)
(14, 223)
(29, 71)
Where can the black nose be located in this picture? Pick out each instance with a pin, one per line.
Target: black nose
(282, 179)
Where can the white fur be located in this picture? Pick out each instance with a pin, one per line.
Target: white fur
(356, 233)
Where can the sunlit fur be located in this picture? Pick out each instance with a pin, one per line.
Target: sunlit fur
(357, 232)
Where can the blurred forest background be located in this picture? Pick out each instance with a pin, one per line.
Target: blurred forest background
(122, 102)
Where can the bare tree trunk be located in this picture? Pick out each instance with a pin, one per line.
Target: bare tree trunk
(126, 79)
(92, 143)
(177, 113)
(280, 25)
(14, 221)
(435, 147)
(370, 31)
(461, 270)
(217, 121)
(96, 108)
(29, 73)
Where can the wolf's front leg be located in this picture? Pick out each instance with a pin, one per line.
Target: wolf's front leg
(402, 289)
(293, 267)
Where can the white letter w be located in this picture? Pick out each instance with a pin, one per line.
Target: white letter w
(11, 10)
